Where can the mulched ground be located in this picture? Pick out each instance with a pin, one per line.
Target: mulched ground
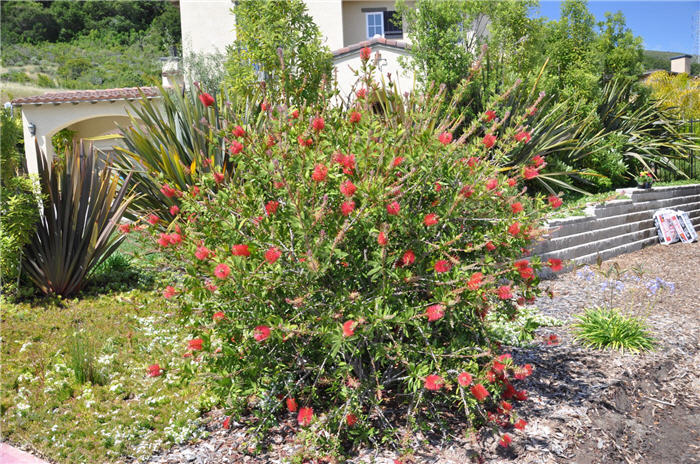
(584, 406)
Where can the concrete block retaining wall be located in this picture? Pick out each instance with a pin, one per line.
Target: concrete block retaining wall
(618, 226)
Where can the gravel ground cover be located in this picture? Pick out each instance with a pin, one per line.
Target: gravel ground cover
(584, 406)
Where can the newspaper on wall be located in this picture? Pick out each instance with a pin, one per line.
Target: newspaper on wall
(672, 226)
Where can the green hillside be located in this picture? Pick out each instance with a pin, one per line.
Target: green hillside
(662, 60)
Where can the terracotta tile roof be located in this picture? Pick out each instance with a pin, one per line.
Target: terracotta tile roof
(77, 96)
(400, 44)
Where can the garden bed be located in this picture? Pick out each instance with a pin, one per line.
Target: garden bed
(584, 406)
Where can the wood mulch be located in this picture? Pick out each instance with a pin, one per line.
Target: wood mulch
(584, 406)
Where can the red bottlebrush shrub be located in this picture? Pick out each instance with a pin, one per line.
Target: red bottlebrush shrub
(347, 308)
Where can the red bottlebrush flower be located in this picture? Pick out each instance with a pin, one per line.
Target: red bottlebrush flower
(491, 376)
(506, 406)
(490, 246)
(467, 191)
(240, 250)
(361, 93)
(209, 285)
(292, 405)
(552, 340)
(365, 53)
(530, 172)
(349, 328)
(430, 219)
(504, 357)
(195, 191)
(442, 265)
(202, 253)
(505, 440)
(174, 210)
(522, 136)
(320, 173)
(347, 188)
(195, 344)
(490, 115)
(489, 140)
(512, 182)
(164, 240)
(409, 257)
(520, 395)
(278, 184)
(480, 392)
(445, 138)
(271, 207)
(238, 131)
(498, 367)
(169, 292)
(153, 219)
(318, 124)
(435, 312)
(154, 370)
(526, 273)
(351, 419)
(218, 316)
(438, 186)
(516, 207)
(295, 114)
(175, 238)
(514, 229)
(222, 271)
(305, 416)
(206, 99)
(347, 207)
(397, 161)
(355, 117)
(272, 254)
(521, 263)
(520, 424)
(393, 208)
(218, 177)
(491, 184)
(168, 191)
(264, 106)
(124, 228)
(381, 239)
(472, 161)
(434, 382)
(464, 379)
(504, 292)
(475, 281)
(261, 333)
(537, 161)
(555, 264)
(227, 423)
(235, 148)
(554, 201)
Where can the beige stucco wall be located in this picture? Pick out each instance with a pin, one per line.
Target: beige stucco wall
(208, 26)
(355, 24)
(90, 119)
(681, 65)
(388, 63)
(328, 16)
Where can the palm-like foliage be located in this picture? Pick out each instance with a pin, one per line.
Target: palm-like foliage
(81, 206)
(172, 140)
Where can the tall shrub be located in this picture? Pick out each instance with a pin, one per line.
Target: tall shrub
(345, 264)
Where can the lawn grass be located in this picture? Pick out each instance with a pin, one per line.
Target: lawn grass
(126, 414)
(576, 205)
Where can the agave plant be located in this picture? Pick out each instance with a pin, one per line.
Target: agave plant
(82, 205)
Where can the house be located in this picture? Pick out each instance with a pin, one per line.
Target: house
(208, 26)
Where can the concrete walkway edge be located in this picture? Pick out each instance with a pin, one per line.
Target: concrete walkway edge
(11, 455)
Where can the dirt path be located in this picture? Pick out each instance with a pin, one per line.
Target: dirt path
(584, 406)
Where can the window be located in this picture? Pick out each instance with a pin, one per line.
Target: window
(385, 24)
(392, 25)
(375, 24)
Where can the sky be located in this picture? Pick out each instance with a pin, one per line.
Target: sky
(664, 25)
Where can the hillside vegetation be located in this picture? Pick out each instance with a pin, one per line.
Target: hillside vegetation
(90, 44)
(662, 60)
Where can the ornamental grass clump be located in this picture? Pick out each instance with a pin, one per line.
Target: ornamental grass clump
(344, 260)
(604, 328)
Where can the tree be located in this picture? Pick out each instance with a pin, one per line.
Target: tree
(680, 93)
(621, 53)
(278, 43)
